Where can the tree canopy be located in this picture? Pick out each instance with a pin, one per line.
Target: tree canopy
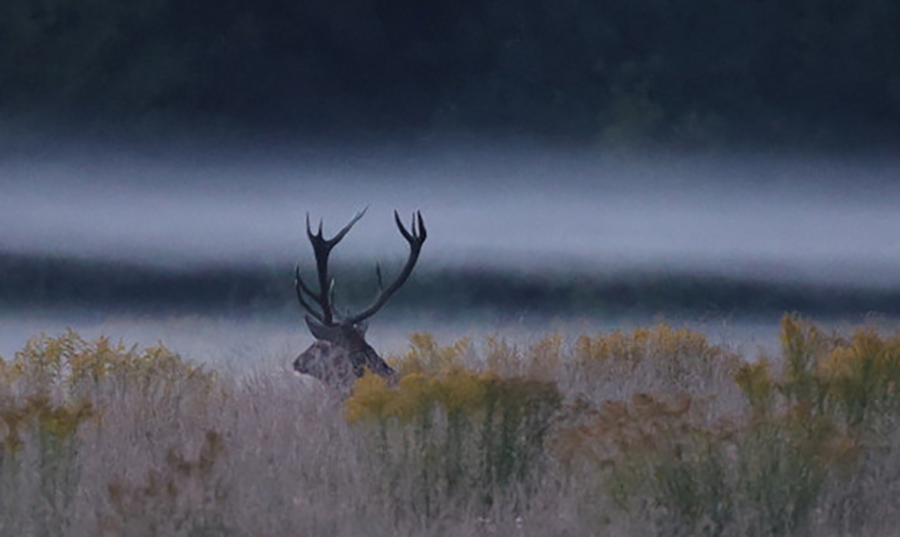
(620, 69)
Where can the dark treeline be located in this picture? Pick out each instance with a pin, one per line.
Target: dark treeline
(46, 282)
(686, 70)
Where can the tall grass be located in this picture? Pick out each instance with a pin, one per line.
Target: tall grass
(649, 432)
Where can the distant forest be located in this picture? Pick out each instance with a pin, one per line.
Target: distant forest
(98, 287)
(620, 70)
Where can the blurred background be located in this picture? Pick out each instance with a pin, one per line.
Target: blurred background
(801, 72)
(580, 165)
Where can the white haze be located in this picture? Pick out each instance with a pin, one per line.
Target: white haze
(822, 219)
(812, 220)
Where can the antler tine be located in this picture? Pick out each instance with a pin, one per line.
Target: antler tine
(309, 232)
(301, 288)
(423, 233)
(419, 233)
(415, 239)
(322, 249)
(340, 234)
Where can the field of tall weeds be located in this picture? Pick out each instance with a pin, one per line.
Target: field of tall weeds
(649, 432)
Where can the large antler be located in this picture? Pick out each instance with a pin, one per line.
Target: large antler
(322, 249)
(415, 239)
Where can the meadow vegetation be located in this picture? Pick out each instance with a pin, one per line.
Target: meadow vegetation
(649, 432)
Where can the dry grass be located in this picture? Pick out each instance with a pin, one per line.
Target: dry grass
(651, 432)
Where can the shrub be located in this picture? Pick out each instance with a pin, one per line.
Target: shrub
(49, 392)
(763, 471)
(102, 438)
(664, 359)
(460, 435)
(70, 367)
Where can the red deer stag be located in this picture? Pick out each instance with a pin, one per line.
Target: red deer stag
(340, 354)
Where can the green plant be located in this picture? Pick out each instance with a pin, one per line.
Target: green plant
(51, 390)
(468, 435)
(681, 358)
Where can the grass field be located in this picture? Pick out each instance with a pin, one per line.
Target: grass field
(654, 431)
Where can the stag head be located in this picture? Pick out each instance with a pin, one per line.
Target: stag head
(341, 354)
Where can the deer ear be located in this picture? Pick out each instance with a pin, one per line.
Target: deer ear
(321, 331)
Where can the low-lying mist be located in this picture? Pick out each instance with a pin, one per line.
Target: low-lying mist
(197, 248)
(821, 219)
